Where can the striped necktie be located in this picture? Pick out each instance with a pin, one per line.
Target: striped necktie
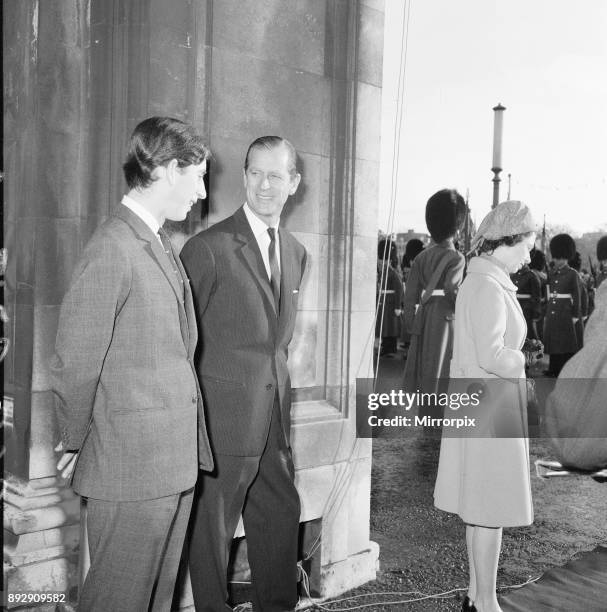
(274, 269)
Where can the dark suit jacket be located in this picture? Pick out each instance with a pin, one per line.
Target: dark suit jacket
(123, 372)
(242, 359)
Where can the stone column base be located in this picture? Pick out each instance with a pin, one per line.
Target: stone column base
(41, 539)
(337, 578)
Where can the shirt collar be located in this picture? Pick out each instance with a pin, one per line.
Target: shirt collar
(258, 226)
(143, 213)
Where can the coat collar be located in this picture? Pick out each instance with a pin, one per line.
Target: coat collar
(490, 266)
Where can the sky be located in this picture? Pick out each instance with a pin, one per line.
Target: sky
(544, 60)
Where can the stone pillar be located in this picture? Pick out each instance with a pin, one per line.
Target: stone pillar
(79, 74)
(46, 82)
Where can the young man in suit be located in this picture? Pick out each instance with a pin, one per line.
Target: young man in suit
(128, 400)
(246, 273)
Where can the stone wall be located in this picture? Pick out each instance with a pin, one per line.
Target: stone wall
(79, 74)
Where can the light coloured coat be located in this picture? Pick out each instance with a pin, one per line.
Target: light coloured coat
(486, 480)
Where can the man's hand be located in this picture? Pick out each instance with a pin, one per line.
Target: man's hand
(66, 464)
(398, 312)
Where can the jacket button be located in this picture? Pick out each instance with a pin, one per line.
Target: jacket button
(269, 386)
(194, 399)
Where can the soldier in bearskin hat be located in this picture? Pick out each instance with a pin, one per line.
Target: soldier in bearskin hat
(390, 294)
(436, 274)
(412, 249)
(529, 295)
(601, 255)
(538, 267)
(564, 306)
(576, 264)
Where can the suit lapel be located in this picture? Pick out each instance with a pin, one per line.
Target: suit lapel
(156, 250)
(251, 255)
(188, 305)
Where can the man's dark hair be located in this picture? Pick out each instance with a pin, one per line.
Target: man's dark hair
(271, 142)
(155, 142)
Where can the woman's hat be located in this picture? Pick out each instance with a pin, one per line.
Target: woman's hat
(506, 219)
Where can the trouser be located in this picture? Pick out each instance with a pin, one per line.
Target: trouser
(263, 490)
(135, 548)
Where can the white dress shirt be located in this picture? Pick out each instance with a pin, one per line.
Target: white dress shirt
(260, 231)
(143, 213)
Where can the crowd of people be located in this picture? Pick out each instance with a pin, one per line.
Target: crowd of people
(489, 315)
(556, 294)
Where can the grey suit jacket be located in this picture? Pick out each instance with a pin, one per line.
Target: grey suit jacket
(123, 373)
(242, 358)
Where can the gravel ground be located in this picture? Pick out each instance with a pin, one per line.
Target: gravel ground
(422, 549)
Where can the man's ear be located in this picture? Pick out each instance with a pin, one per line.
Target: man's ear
(171, 170)
(295, 183)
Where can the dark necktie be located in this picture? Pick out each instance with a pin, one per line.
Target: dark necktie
(274, 269)
(166, 243)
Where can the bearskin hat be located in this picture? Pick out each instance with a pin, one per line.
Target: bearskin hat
(412, 249)
(445, 214)
(562, 246)
(576, 261)
(601, 248)
(384, 251)
(538, 259)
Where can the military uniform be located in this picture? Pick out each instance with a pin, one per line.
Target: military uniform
(584, 307)
(561, 340)
(601, 276)
(389, 299)
(528, 294)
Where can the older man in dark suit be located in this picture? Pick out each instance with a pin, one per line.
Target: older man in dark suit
(246, 273)
(129, 405)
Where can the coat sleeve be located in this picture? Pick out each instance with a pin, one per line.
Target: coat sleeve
(199, 263)
(487, 319)
(98, 291)
(576, 297)
(411, 295)
(454, 275)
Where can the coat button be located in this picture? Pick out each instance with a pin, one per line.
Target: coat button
(194, 399)
(269, 386)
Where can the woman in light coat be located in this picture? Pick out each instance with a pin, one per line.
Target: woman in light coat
(486, 480)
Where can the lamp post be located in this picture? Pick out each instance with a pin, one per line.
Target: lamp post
(498, 125)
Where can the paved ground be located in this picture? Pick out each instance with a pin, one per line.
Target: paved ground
(422, 549)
